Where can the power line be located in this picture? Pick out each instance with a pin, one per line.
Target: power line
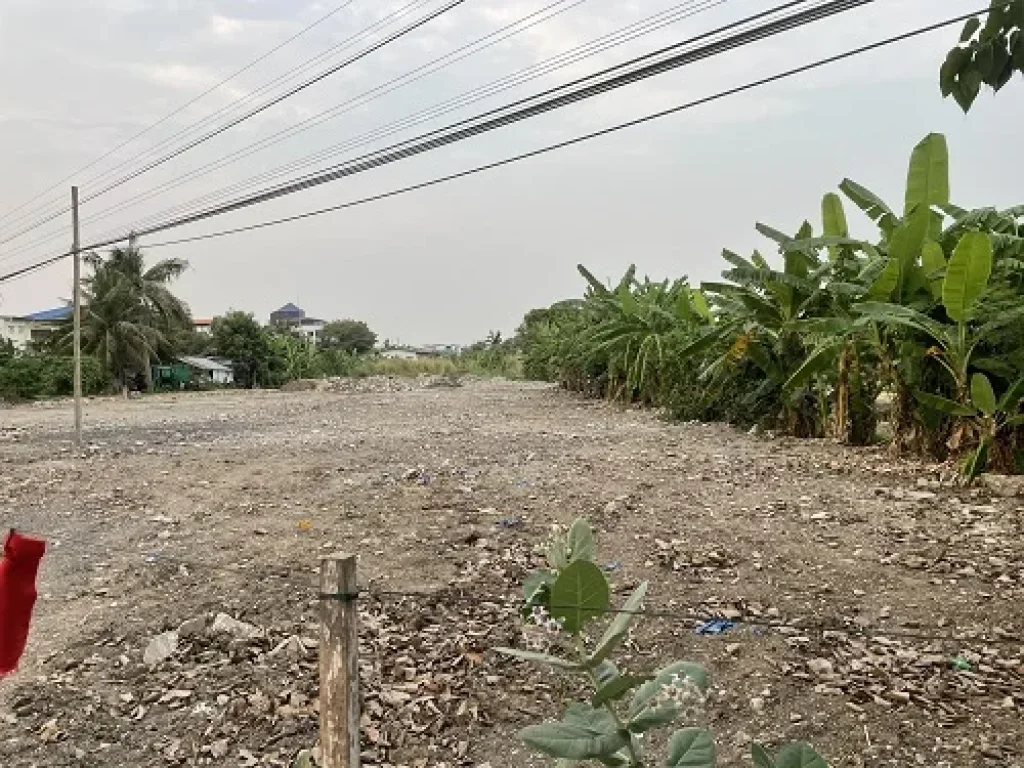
(579, 139)
(448, 134)
(357, 101)
(288, 75)
(247, 115)
(288, 94)
(187, 104)
(494, 38)
(824, 7)
(565, 59)
(543, 150)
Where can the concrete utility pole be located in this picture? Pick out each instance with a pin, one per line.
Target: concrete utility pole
(75, 245)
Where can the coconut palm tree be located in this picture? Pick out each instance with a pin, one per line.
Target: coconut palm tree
(129, 313)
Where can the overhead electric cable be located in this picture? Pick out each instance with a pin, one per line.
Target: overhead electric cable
(249, 114)
(534, 153)
(477, 125)
(262, 57)
(399, 151)
(565, 59)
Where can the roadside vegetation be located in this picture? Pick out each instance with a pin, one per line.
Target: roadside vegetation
(926, 313)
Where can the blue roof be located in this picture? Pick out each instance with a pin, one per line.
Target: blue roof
(50, 315)
(289, 308)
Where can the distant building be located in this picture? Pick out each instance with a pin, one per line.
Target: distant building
(23, 330)
(203, 325)
(293, 317)
(208, 370)
(287, 315)
(444, 350)
(399, 353)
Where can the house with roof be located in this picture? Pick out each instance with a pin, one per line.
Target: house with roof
(295, 319)
(25, 330)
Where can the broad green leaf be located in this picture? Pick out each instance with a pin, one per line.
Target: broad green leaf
(973, 25)
(596, 718)
(933, 261)
(833, 216)
(883, 286)
(943, 404)
(967, 275)
(618, 687)
(950, 69)
(870, 203)
(619, 628)
(580, 544)
(540, 658)
(572, 742)
(1012, 397)
(735, 259)
(700, 303)
(535, 582)
(761, 757)
(982, 394)
(799, 755)
(705, 340)
(558, 553)
(1015, 421)
(596, 285)
(998, 367)
(896, 314)
(772, 233)
(604, 673)
(691, 748)
(928, 176)
(975, 463)
(627, 301)
(819, 359)
(579, 594)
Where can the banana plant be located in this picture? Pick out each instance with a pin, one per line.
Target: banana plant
(761, 308)
(989, 417)
(562, 603)
(965, 280)
(632, 324)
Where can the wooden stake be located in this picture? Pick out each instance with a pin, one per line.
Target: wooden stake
(339, 663)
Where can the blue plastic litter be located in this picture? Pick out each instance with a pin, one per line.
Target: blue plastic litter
(614, 565)
(510, 523)
(715, 627)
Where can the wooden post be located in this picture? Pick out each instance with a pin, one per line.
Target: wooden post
(77, 333)
(339, 663)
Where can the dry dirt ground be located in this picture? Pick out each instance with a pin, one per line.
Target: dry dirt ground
(844, 572)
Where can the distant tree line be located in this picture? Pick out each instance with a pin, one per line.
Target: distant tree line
(131, 320)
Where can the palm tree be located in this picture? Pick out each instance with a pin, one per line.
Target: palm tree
(128, 311)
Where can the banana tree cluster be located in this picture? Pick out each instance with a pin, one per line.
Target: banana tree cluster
(805, 339)
(568, 602)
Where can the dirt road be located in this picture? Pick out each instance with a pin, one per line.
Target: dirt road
(184, 507)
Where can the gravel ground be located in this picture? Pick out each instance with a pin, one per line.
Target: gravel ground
(844, 572)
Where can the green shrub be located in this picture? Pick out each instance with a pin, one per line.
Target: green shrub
(28, 377)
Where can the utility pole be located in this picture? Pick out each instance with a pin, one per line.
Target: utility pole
(75, 245)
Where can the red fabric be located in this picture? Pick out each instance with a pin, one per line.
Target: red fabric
(18, 570)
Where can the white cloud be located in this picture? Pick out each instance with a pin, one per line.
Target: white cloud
(225, 27)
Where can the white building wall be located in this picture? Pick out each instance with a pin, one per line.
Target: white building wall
(19, 332)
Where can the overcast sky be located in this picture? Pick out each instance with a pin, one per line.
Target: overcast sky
(448, 263)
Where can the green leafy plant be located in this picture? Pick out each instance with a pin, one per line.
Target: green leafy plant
(564, 603)
(989, 53)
